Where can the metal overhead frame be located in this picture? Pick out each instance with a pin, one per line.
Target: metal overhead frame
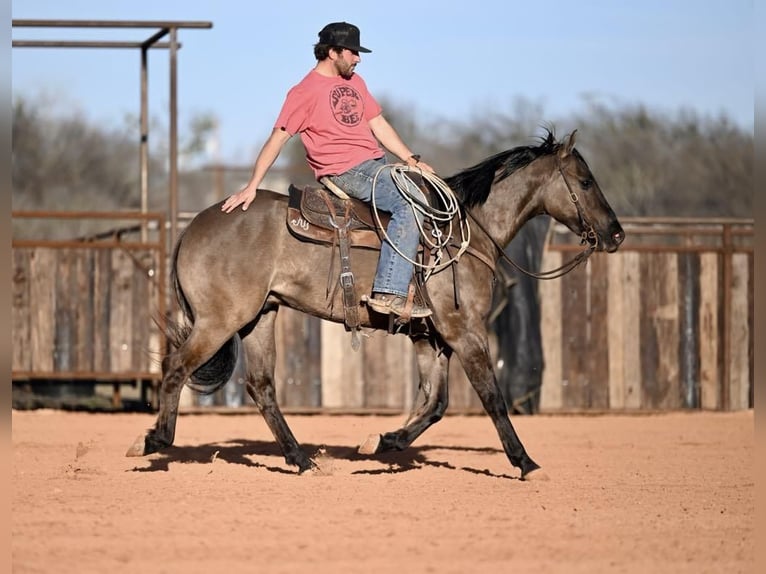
(164, 28)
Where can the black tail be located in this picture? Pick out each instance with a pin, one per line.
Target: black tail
(217, 371)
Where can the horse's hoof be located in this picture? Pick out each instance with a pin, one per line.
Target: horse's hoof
(308, 466)
(537, 475)
(370, 446)
(316, 470)
(138, 448)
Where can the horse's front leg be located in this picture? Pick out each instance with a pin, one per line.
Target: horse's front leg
(473, 350)
(433, 369)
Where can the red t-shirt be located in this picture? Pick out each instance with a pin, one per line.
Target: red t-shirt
(331, 115)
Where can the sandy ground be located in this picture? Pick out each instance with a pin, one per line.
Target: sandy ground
(636, 494)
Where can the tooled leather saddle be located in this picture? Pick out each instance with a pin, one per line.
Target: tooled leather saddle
(314, 214)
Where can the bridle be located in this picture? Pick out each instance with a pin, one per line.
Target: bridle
(588, 236)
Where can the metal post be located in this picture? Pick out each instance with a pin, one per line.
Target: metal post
(144, 144)
(173, 151)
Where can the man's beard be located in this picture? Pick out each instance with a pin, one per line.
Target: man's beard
(345, 69)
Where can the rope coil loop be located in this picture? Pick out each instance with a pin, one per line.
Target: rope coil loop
(442, 220)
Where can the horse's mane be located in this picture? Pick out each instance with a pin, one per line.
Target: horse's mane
(472, 185)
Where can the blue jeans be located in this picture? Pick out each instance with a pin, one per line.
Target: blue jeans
(394, 273)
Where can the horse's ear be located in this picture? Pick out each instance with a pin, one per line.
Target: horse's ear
(568, 145)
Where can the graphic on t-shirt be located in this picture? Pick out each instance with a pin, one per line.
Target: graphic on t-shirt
(347, 105)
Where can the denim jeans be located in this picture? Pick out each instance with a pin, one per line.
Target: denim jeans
(394, 273)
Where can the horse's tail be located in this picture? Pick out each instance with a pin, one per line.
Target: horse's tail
(217, 371)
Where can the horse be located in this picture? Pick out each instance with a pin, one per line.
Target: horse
(231, 273)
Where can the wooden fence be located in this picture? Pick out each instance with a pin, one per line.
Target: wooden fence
(83, 308)
(665, 323)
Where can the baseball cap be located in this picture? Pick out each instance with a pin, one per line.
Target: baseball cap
(341, 34)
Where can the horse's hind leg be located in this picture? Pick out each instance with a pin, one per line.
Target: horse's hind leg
(177, 366)
(433, 369)
(261, 353)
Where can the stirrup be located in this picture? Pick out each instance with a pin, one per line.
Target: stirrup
(390, 304)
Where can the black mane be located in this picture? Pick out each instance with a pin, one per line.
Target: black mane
(472, 185)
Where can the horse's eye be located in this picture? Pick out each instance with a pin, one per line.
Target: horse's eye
(586, 183)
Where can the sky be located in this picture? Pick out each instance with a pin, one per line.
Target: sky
(441, 59)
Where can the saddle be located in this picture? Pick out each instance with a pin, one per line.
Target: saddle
(316, 215)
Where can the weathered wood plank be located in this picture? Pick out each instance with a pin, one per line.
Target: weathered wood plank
(121, 314)
(659, 331)
(574, 352)
(298, 359)
(143, 306)
(342, 367)
(150, 331)
(84, 282)
(709, 331)
(631, 319)
(616, 332)
(21, 312)
(66, 326)
(102, 310)
(388, 371)
(739, 374)
(551, 331)
(597, 374)
(313, 367)
(688, 351)
(42, 303)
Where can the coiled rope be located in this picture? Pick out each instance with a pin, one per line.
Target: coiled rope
(442, 220)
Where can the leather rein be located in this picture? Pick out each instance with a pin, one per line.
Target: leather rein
(588, 236)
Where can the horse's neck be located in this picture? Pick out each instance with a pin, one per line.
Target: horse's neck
(511, 203)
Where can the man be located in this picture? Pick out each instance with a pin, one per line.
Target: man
(342, 128)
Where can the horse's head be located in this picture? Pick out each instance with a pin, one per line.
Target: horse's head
(574, 198)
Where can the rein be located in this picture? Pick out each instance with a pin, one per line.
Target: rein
(588, 236)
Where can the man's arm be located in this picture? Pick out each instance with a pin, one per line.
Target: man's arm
(387, 136)
(266, 158)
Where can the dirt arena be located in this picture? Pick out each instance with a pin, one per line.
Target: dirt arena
(635, 494)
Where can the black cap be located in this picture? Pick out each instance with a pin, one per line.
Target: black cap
(343, 35)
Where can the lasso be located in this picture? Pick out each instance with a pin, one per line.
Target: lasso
(437, 240)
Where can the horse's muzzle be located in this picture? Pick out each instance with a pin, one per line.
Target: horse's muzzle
(615, 238)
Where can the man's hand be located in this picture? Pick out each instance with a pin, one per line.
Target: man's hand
(244, 198)
(268, 154)
(422, 165)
